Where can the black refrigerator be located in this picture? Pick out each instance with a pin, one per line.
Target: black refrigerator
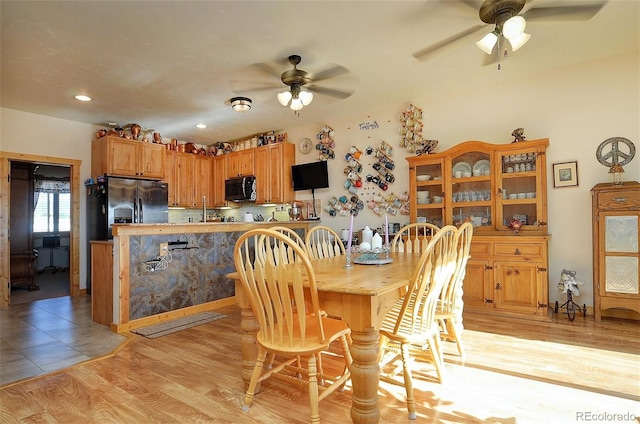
(123, 201)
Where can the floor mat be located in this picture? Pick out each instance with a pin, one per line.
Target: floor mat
(158, 330)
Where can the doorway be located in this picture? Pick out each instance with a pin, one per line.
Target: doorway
(73, 238)
(40, 221)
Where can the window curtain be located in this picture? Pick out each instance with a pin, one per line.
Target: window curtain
(49, 185)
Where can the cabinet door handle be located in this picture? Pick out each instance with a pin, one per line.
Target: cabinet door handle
(541, 269)
(517, 252)
(487, 267)
(620, 199)
(487, 300)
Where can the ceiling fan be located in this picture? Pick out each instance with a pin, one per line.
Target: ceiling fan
(508, 33)
(296, 98)
(302, 84)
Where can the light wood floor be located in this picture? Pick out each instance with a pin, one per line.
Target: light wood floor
(515, 371)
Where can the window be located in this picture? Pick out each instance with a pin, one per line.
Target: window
(52, 213)
(52, 199)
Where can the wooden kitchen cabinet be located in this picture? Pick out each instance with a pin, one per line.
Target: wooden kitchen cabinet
(120, 157)
(241, 163)
(219, 174)
(102, 282)
(273, 173)
(615, 232)
(179, 171)
(202, 183)
(490, 184)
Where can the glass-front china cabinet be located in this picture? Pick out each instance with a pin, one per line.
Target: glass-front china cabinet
(501, 189)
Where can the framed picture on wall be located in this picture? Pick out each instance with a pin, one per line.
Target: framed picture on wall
(565, 174)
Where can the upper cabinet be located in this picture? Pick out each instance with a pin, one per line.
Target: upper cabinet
(179, 174)
(487, 184)
(120, 157)
(273, 173)
(241, 163)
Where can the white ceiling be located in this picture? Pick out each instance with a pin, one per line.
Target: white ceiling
(169, 65)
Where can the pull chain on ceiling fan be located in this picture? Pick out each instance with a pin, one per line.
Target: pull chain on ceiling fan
(509, 26)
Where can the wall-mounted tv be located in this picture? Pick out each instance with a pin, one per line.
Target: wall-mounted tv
(309, 176)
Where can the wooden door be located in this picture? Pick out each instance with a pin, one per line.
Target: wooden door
(122, 157)
(219, 173)
(516, 287)
(246, 162)
(233, 164)
(263, 174)
(202, 181)
(151, 160)
(476, 287)
(184, 179)
(170, 176)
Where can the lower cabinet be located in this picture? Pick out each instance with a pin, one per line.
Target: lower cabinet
(508, 275)
(102, 282)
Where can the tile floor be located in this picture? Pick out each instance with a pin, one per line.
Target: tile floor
(48, 335)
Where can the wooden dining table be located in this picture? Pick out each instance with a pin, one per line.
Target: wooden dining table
(361, 296)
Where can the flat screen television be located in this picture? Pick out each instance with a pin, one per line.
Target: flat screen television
(309, 176)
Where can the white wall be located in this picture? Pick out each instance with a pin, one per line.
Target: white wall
(31, 134)
(576, 108)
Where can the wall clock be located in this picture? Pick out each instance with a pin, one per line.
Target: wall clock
(305, 145)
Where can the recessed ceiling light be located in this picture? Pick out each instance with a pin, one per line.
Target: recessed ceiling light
(83, 98)
(201, 126)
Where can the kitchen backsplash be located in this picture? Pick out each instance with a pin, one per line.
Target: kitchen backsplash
(178, 216)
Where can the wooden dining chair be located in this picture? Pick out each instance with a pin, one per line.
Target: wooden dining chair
(409, 329)
(449, 308)
(323, 242)
(289, 232)
(413, 237)
(276, 293)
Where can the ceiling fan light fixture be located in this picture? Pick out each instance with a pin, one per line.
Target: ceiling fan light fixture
(240, 104)
(488, 42)
(305, 97)
(514, 27)
(284, 97)
(296, 104)
(519, 41)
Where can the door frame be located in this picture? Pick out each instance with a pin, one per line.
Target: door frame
(74, 234)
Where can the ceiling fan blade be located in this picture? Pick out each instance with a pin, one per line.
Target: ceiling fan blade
(424, 53)
(267, 69)
(339, 94)
(332, 72)
(571, 12)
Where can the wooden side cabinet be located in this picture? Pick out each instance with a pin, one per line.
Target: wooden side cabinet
(616, 220)
(102, 282)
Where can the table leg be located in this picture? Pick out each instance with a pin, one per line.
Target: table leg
(365, 376)
(249, 328)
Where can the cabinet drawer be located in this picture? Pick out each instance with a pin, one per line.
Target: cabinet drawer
(617, 200)
(514, 250)
(480, 249)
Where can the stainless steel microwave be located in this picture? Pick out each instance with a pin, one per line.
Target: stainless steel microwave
(240, 189)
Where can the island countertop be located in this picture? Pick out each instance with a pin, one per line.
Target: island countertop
(203, 227)
(192, 277)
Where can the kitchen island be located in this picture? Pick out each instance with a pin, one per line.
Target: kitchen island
(150, 288)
